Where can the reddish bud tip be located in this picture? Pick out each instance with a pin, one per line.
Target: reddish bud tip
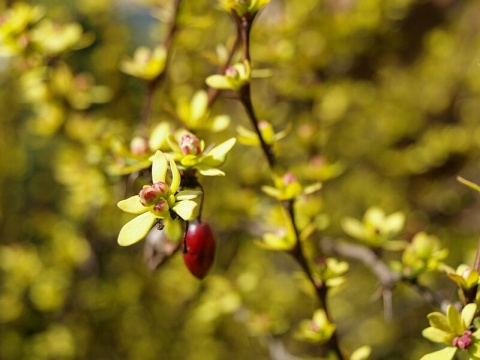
(463, 342)
(161, 206)
(190, 145)
(161, 187)
(148, 196)
(263, 124)
(231, 72)
(289, 178)
(139, 146)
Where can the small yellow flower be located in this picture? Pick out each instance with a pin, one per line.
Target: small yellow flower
(146, 64)
(158, 201)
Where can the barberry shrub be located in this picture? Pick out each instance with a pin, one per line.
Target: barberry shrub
(285, 179)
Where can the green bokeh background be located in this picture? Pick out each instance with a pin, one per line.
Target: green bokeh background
(388, 91)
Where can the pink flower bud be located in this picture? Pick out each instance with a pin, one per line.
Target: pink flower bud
(231, 72)
(463, 342)
(190, 145)
(263, 124)
(317, 162)
(161, 187)
(148, 196)
(139, 146)
(289, 178)
(161, 206)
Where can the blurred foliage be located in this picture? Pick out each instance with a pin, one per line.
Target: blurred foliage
(382, 98)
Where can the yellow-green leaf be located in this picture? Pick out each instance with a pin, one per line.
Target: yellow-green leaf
(175, 177)
(455, 320)
(362, 353)
(439, 321)
(158, 138)
(353, 227)
(220, 122)
(310, 189)
(218, 82)
(436, 335)
(445, 354)
(185, 209)
(198, 105)
(132, 205)
(159, 167)
(188, 195)
(271, 191)
(468, 313)
(211, 172)
(219, 152)
(136, 229)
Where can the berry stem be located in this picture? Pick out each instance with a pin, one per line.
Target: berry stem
(200, 209)
(185, 248)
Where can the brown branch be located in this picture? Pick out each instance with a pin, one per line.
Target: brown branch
(244, 24)
(320, 289)
(246, 100)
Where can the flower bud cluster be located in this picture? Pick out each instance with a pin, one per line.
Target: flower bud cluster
(463, 342)
(155, 196)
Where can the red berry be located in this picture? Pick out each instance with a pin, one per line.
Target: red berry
(200, 249)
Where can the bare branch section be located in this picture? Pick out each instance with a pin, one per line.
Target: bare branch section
(386, 277)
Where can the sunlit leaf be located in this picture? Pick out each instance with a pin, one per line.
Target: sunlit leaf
(175, 177)
(445, 354)
(219, 152)
(439, 321)
(271, 191)
(220, 122)
(468, 313)
(455, 320)
(310, 189)
(436, 335)
(353, 227)
(185, 209)
(188, 195)
(218, 82)
(211, 172)
(362, 353)
(159, 167)
(132, 205)
(199, 105)
(136, 229)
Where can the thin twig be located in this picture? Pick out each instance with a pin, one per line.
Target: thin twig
(244, 24)
(320, 289)
(214, 92)
(246, 100)
(476, 265)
